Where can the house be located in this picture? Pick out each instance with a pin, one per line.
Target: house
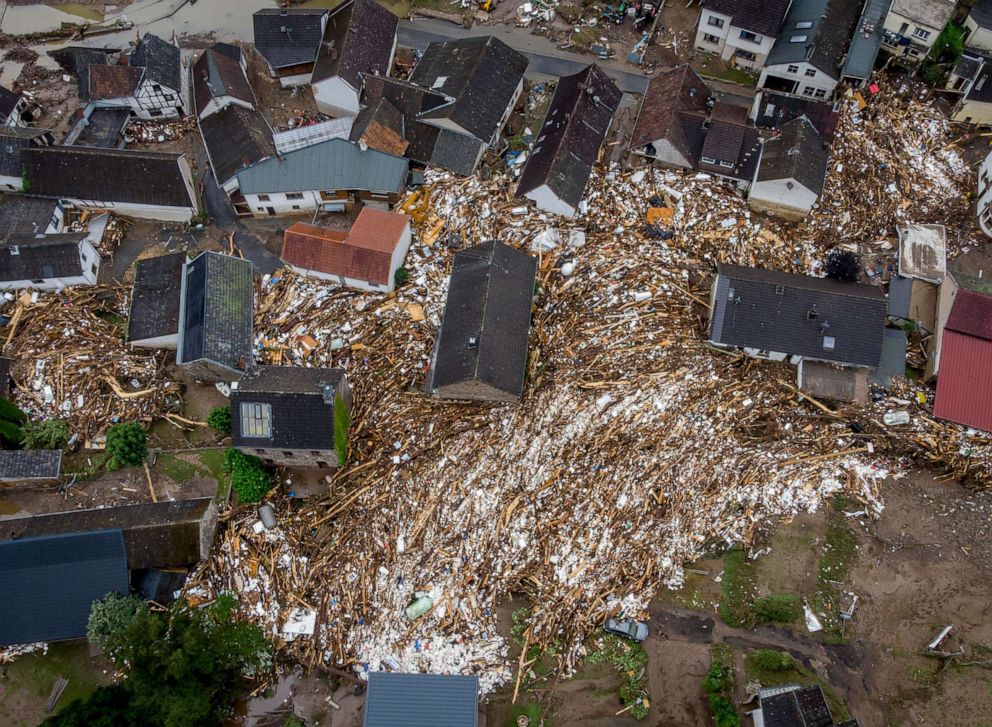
(115, 180)
(741, 32)
(380, 126)
(22, 214)
(791, 170)
(772, 110)
(567, 145)
(964, 386)
(359, 38)
(47, 262)
(865, 43)
(153, 320)
(220, 80)
(911, 27)
(806, 58)
(366, 257)
(167, 534)
(421, 700)
(773, 315)
(234, 138)
(978, 26)
(216, 312)
(51, 582)
(421, 139)
(150, 82)
(13, 141)
(970, 77)
(481, 347)
(310, 134)
(292, 416)
(922, 252)
(288, 39)
(30, 466)
(955, 282)
(13, 108)
(793, 705)
(333, 176)
(984, 203)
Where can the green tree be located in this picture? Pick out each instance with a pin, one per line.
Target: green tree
(220, 419)
(110, 618)
(771, 660)
(248, 477)
(401, 275)
(11, 419)
(48, 434)
(342, 420)
(127, 445)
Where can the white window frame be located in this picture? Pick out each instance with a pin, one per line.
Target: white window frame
(921, 34)
(808, 91)
(810, 73)
(792, 69)
(715, 21)
(820, 93)
(259, 416)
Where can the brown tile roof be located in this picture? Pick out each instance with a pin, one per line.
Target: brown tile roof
(113, 81)
(384, 139)
(679, 89)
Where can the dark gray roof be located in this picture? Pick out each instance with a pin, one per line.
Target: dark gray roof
(30, 464)
(796, 153)
(489, 299)
(411, 101)
(968, 65)
(900, 296)
(802, 707)
(763, 17)
(981, 88)
(456, 152)
(358, 39)
(776, 109)
(301, 401)
(235, 137)
(50, 583)
(107, 175)
(25, 215)
(288, 37)
(13, 141)
(217, 311)
(217, 73)
(104, 129)
(421, 700)
(8, 101)
(77, 60)
(481, 74)
(866, 41)
(155, 297)
(330, 165)
(981, 13)
(40, 257)
(156, 534)
(823, 45)
(160, 59)
(794, 314)
(573, 130)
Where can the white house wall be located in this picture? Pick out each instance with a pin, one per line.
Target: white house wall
(167, 101)
(141, 211)
(169, 342)
(808, 86)
(973, 112)
(775, 197)
(281, 205)
(547, 200)
(730, 41)
(335, 97)
(399, 255)
(984, 204)
(219, 103)
(298, 79)
(667, 153)
(978, 38)
(11, 184)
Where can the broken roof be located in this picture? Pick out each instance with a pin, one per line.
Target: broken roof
(816, 32)
(679, 89)
(8, 101)
(216, 74)
(234, 138)
(763, 17)
(155, 297)
(19, 465)
(776, 109)
(421, 700)
(40, 257)
(359, 38)
(922, 252)
(798, 315)
(288, 36)
(380, 125)
(161, 61)
(796, 153)
(107, 82)
(410, 101)
(570, 137)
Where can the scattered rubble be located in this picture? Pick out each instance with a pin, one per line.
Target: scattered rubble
(148, 132)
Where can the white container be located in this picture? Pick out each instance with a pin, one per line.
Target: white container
(895, 418)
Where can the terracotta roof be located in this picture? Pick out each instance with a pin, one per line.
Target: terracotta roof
(971, 314)
(962, 396)
(680, 89)
(113, 81)
(380, 125)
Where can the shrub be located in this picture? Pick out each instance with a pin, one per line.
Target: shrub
(110, 618)
(248, 477)
(11, 419)
(842, 265)
(127, 445)
(724, 712)
(401, 276)
(719, 679)
(771, 660)
(11, 413)
(49, 434)
(220, 419)
(778, 608)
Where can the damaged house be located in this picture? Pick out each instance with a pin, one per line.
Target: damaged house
(792, 167)
(235, 138)
(149, 82)
(971, 77)
(153, 320)
(220, 80)
(288, 39)
(48, 262)
(13, 108)
(567, 145)
(13, 141)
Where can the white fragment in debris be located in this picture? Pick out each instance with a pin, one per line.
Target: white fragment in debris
(300, 622)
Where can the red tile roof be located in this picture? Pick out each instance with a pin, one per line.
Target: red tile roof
(679, 89)
(113, 81)
(964, 395)
(971, 314)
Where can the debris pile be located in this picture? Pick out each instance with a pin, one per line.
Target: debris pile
(150, 132)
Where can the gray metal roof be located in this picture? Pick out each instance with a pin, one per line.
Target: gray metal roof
(329, 165)
(866, 41)
(421, 700)
(824, 42)
(981, 13)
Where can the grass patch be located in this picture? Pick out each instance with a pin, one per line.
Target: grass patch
(761, 667)
(784, 608)
(213, 461)
(179, 470)
(84, 464)
(840, 553)
(739, 590)
(719, 685)
(585, 37)
(30, 679)
(630, 660)
(533, 711)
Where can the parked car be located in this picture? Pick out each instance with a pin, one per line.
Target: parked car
(636, 630)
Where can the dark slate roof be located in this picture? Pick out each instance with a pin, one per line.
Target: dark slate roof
(481, 74)
(411, 101)
(30, 464)
(763, 17)
(573, 130)
(776, 109)
(13, 141)
(981, 88)
(825, 43)
(489, 299)
(724, 140)
(235, 137)
(803, 707)
(456, 152)
(797, 153)
(155, 297)
(217, 74)
(167, 534)
(51, 582)
(218, 308)
(76, 60)
(770, 310)
(421, 700)
(8, 101)
(981, 13)
(358, 39)
(25, 215)
(866, 41)
(301, 401)
(104, 128)
(160, 59)
(35, 257)
(668, 94)
(968, 65)
(107, 175)
(288, 37)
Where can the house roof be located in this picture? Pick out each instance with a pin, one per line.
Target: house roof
(962, 396)
(866, 41)
(161, 61)
(310, 134)
(421, 700)
(458, 153)
(410, 101)
(13, 141)
(301, 402)
(934, 13)
(971, 314)
(8, 101)
(798, 314)
(104, 128)
(155, 297)
(235, 137)
(489, 299)
(981, 87)
(40, 257)
(51, 582)
(668, 93)
(574, 127)
(482, 74)
(330, 165)
(775, 109)
(796, 153)
(215, 75)
(167, 534)
(107, 175)
(25, 215)
(217, 311)
(720, 142)
(824, 44)
(77, 61)
(981, 13)
(763, 17)
(289, 36)
(30, 464)
(106, 82)
(359, 38)
(380, 125)
(798, 707)
(922, 252)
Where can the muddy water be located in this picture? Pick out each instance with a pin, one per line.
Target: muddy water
(22, 19)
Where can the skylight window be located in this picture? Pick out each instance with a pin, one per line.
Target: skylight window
(798, 39)
(256, 420)
(439, 81)
(804, 25)
(828, 343)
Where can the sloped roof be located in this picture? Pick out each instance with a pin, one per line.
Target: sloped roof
(155, 297)
(570, 137)
(776, 109)
(799, 707)
(77, 61)
(866, 41)
(824, 44)
(24, 214)
(458, 153)
(668, 93)
(287, 37)
(8, 101)
(235, 137)
(971, 314)
(421, 700)
(981, 13)
(13, 141)
(489, 299)
(797, 153)
(962, 396)
(922, 251)
(380, 125)
(30, 464)
(108, 82)
(51, 582)
(763, 17)
(107, 175)
(40, 257)
(358, 39)
(410, 101)
(934, 13)
(216, 74)
(482, 75)
(310, 134)
(160, 59)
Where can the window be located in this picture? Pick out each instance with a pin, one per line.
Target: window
(779, 290)
(810, 73)
(808, 91)
(820, 93)
(804, 25)
(93, 269)
(726, 165)
(263, 198)
(921, 33)
(913, 53)
(793, 69)
(707, 160)
(749, 36)
(256, 420)
(715, 21)
(154, 112)
(296, 206)
(798, 39)
(38, 281)
(745, 55)
(828, 343)
(156, 88)
(706, 37)
(294, 195)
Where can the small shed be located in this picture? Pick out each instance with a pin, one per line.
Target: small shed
(923, 252)
(35, 466)
(154, 317)
(421, 700)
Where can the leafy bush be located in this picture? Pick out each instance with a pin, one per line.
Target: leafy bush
(11, 419)
(342, 421)
(49, 434)
(110, 618)
(724, 712)
(248, 477)
(778, 608)
(220, 419)
(771, 660)
(127, 445)
(842, 265)
(401, 275)
(719, 679)
(11, 413)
